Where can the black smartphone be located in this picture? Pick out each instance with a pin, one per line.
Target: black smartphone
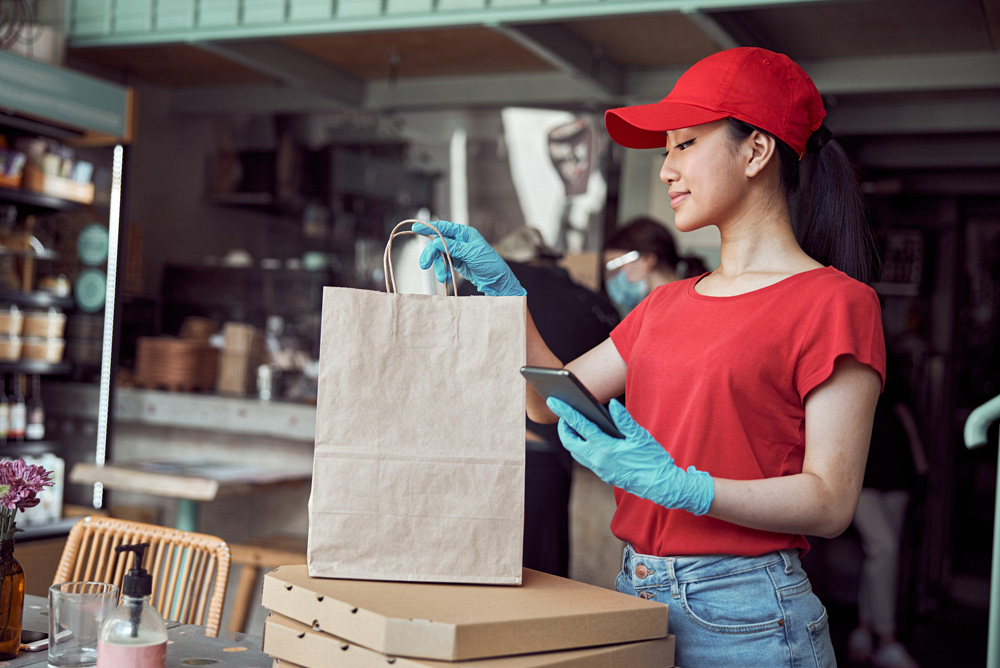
(564, 386)
(34, 641)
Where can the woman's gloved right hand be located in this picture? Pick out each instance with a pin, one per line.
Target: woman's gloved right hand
(472, 257)
(636, 463)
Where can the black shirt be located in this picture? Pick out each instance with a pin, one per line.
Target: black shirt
(571, 318)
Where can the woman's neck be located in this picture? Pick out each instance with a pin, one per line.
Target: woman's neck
(761, 238)
(758, 250)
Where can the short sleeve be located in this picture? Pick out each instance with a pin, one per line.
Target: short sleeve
(847, 322)
(627, 331)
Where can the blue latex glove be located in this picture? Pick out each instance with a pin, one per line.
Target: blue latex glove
(472, 256)
(637, 463)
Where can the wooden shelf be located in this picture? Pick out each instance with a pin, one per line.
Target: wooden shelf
(36, 367)
(58, 187)
(37, 200)
(32, 448)
(36, 299)
(48, 255)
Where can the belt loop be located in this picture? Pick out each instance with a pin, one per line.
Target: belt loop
(626, 560)
(672, 575)
(786, 556)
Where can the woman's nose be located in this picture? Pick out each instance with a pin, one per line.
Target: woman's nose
(667, 173)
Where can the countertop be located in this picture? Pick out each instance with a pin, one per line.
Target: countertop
(238, 415)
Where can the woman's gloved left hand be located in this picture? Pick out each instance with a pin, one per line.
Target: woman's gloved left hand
(637, 463)
(472, 256)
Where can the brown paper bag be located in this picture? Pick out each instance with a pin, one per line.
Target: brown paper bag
(418, 471)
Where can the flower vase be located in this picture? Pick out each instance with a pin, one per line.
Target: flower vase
(11, 600)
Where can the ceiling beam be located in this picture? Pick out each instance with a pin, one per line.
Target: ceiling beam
(501, 90)
(965, 114)
(92, 24)
(976, 112)
(722, 29)
(292, 68)
(875, 74)
(569, 54)
(247, 99)
(934, 152)
(937, 72)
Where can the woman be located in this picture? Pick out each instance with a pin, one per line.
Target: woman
(749, 390)
(640, 257)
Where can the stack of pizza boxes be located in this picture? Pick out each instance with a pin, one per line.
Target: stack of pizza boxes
(544, 621)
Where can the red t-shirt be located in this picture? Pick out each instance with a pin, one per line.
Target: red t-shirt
(721, 383)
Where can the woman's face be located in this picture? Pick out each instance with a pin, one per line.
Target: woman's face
(626, 277)
(704, 171)
(631, 263)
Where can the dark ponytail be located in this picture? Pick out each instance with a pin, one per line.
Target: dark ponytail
(828, 212)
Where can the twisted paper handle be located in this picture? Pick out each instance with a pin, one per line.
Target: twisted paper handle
(390, 279)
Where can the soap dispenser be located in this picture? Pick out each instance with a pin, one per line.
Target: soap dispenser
(135, 634)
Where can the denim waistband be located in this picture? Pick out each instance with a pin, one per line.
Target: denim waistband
(656, 571)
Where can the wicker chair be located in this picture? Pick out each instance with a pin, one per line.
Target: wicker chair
(190, 570)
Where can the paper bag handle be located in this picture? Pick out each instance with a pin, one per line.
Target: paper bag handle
(390, 279)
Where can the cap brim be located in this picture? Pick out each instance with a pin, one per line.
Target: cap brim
(643, 125)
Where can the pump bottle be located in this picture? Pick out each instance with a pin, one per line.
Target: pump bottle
(135, 634)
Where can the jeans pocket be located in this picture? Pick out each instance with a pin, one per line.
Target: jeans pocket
(743, 603)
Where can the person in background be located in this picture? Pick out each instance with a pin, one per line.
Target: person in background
(750, 391)
(640, 257)
(896, 462)
(573, 319)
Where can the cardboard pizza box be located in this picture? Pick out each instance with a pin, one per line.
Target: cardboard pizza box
(296, 644)
(456, 622)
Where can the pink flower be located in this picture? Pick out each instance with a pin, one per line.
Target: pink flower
(20, 484)
(35, 477)
(28, 502)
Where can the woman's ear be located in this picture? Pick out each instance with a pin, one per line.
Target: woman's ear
(762, 148)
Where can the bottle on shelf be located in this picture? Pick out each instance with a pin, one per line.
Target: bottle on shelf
(4, 411)
(18, 412)
(34, 428)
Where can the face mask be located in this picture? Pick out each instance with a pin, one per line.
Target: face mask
(626, 294)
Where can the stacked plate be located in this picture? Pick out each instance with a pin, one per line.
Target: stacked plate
(185, 365)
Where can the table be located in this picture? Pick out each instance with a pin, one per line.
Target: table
(187, 644)
(190, 482)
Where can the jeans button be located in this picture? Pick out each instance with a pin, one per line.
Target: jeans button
(641, 571)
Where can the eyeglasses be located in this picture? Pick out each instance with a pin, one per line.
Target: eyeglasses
(621, 261)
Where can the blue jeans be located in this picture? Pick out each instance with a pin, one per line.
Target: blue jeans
(735, 611)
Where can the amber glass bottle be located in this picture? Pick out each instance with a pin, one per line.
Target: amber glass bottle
(11, 601)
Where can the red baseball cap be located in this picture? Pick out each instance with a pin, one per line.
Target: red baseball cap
(760, 87)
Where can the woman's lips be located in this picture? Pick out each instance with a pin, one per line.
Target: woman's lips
(677, 198)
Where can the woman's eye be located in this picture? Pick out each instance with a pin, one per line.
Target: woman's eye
(681, 146)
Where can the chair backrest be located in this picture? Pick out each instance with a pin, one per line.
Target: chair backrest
(190, 570)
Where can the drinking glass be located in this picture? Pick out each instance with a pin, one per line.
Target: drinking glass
(76, 610)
